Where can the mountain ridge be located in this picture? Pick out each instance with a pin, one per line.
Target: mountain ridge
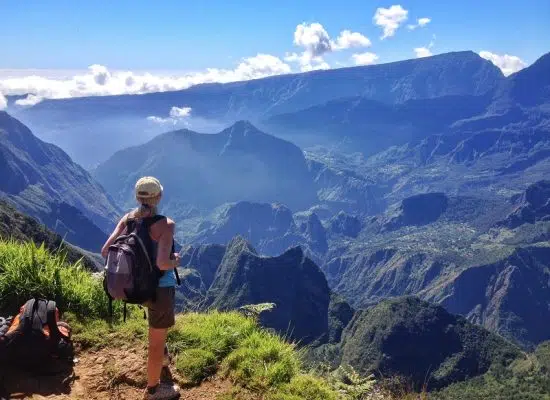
(462, 73)
(43, 181)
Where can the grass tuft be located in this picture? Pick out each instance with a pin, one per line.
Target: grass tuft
(262, 361)
(196, 364)
(27, 271)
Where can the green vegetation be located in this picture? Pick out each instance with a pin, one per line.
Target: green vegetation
(423, 342)
(259, 363)
(27, 270)
(527, 378)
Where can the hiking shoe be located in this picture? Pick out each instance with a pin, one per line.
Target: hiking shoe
(163, 391)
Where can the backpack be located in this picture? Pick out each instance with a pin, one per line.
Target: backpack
(36, 336)
(131, 273)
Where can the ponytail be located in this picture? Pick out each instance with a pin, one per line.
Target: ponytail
(144, 211)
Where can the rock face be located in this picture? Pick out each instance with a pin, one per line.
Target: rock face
(508, 293)
(532, 206)
(205, 259)
(345, 224)
(510, 297)
(269, 227)
(420, 341)
(240, 163)
(42, 181)
(316, 234)
(291, 281)
(417, 210)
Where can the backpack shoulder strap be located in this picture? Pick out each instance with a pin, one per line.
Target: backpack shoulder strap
(153, 220)
(130, 225)
(52, 320)
(26, 318)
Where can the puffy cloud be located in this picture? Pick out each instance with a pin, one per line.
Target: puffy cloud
(3, 102)
(177, 112)
(421, 23)
(508, 64)
(29, 101)
(364, 58)
(313, 38)
(161, 121)
(348, 39)
(99, 81)
(176, 115)
(390, 19)
(100, 73)
(316, 42)
(422, 52)
(424, 21)
(315, 66)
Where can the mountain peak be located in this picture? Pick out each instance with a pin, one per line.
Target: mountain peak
(243, 128)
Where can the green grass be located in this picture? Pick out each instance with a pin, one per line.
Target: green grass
(27, 270)
(196, 364)
(259, 363)
(262, 361)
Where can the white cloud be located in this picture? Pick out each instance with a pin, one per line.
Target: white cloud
(315, 66)
(508, 64)
(99, 81)
(390, 19)
(177, 115)
(3, 102)
(424, 21)
(100, 73)
(29, 101)
(313, 38)
(422, 52)
(177, 112)
(316, 42)
(364, 58)
(161, 121)
(348, 39)
(420, 23)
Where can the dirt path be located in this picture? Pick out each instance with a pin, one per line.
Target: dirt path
(103, 375)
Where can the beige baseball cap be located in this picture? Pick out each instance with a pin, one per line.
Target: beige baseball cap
(148, 187)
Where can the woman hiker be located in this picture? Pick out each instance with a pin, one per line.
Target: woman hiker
(148, 191)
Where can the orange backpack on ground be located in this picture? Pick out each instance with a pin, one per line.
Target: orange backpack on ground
(35, 336)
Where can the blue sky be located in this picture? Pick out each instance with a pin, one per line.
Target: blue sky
(58, 49)
(193, 35)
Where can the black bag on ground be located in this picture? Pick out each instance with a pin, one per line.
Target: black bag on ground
(36, 336)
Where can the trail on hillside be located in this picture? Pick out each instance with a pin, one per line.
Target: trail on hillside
(105, 374)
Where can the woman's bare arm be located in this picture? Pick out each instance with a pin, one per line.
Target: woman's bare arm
(164, 251)
(116, 233)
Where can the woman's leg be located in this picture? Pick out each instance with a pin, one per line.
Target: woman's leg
(157, 340)
(161, 318)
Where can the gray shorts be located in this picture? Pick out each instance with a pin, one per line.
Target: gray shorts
(161, 311)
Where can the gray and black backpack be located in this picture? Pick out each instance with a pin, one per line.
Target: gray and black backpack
(131, 273)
